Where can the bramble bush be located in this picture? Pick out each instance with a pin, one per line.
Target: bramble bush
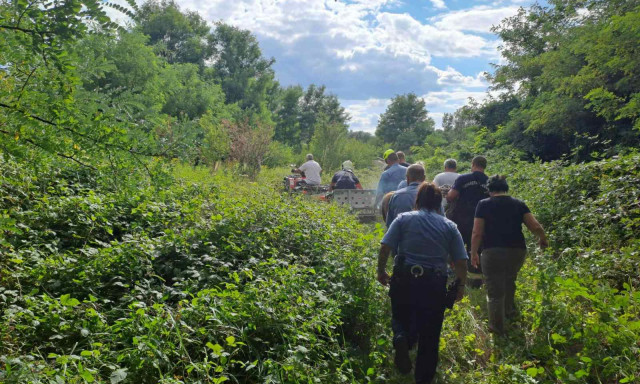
(200, 280)
(194, 277)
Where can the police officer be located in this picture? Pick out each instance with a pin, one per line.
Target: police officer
(424, 242)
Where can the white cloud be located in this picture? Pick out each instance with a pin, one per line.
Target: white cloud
(477, 19)
(365, 113)
(367, 51)
(438, 4)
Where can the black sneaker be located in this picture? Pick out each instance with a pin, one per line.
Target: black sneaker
(402, 360)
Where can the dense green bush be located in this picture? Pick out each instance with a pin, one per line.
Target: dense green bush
(194, 281)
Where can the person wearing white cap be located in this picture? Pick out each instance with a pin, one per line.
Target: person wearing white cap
(345, 179)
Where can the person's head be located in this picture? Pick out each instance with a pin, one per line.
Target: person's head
(401, 156)
(415, 173)
(392, 158)
(479, 163)
(450, 165)
(497, 184)
(347, 166)
(387, 153)
(429, 197)
(309, 157)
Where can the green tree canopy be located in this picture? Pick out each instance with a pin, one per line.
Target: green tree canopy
(405, 123)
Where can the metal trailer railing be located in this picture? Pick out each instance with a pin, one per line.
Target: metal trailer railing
(361, 202)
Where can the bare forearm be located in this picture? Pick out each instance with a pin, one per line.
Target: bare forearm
(460, 268)
(383, 257)
(476, 241)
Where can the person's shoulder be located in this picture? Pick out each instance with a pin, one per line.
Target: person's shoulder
(409, 215)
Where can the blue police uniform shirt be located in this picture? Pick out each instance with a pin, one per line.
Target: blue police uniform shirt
(402, 201)
(390, 179)
(403, 184)
(425, 238)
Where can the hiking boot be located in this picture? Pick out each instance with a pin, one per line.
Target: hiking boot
(402, 360)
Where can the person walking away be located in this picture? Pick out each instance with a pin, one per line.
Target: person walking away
(498, 228)
(402, 159)
(390, 178)
(404, 200)
(312, 170)
(345, 179)
(445, 180)
(466, 192)
(425, 242)
(384, 157)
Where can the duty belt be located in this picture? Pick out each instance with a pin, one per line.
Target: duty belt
(417, 271)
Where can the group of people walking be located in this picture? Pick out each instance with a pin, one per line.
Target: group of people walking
(467, 222)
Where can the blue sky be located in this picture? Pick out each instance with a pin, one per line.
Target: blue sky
(368, 51)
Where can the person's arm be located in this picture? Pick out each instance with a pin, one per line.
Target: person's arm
(458, 253)
(333, 185)
(476, 240)
(358, 186)
(460, 267)
(383, 256)
(380, 191)
(536, 228)
(453, 195)
(389, 242)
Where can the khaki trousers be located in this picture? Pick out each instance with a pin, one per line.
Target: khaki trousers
(500, 267)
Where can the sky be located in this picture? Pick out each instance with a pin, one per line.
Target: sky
(368, 51)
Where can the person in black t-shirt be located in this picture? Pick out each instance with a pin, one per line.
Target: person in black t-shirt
(466, 192)
(345, 179)
(498, 228)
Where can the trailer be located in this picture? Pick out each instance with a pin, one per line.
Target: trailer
(360, 201)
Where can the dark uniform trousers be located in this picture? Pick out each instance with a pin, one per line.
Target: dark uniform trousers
(417, 310)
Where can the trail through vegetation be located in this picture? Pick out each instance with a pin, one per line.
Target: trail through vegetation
(144, 236)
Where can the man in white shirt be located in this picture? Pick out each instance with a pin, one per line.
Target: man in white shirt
(448, 177)
(311, 170)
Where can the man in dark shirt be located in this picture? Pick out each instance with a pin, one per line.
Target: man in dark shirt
(345, 179)
(402, 159)
(466, 192)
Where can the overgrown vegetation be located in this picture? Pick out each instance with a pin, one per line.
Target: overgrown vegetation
(134, 248)
(190, 280)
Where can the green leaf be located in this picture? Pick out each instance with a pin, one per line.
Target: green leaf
(68, 301)
(533, 371)
(118, 375)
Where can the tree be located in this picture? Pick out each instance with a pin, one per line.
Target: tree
(240, 66)
(328, 142)
(248, 143)
(573, 67)
(315, 103)
(362, 136)
(405, 123)
(287, 116)
(178, 37)
(186, 93)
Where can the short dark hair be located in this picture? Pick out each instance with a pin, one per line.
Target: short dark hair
(400, 155)
(450, 164)
(392, 158)
(498, 183)
(479, 161)
(429, 197)
(415, 172)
